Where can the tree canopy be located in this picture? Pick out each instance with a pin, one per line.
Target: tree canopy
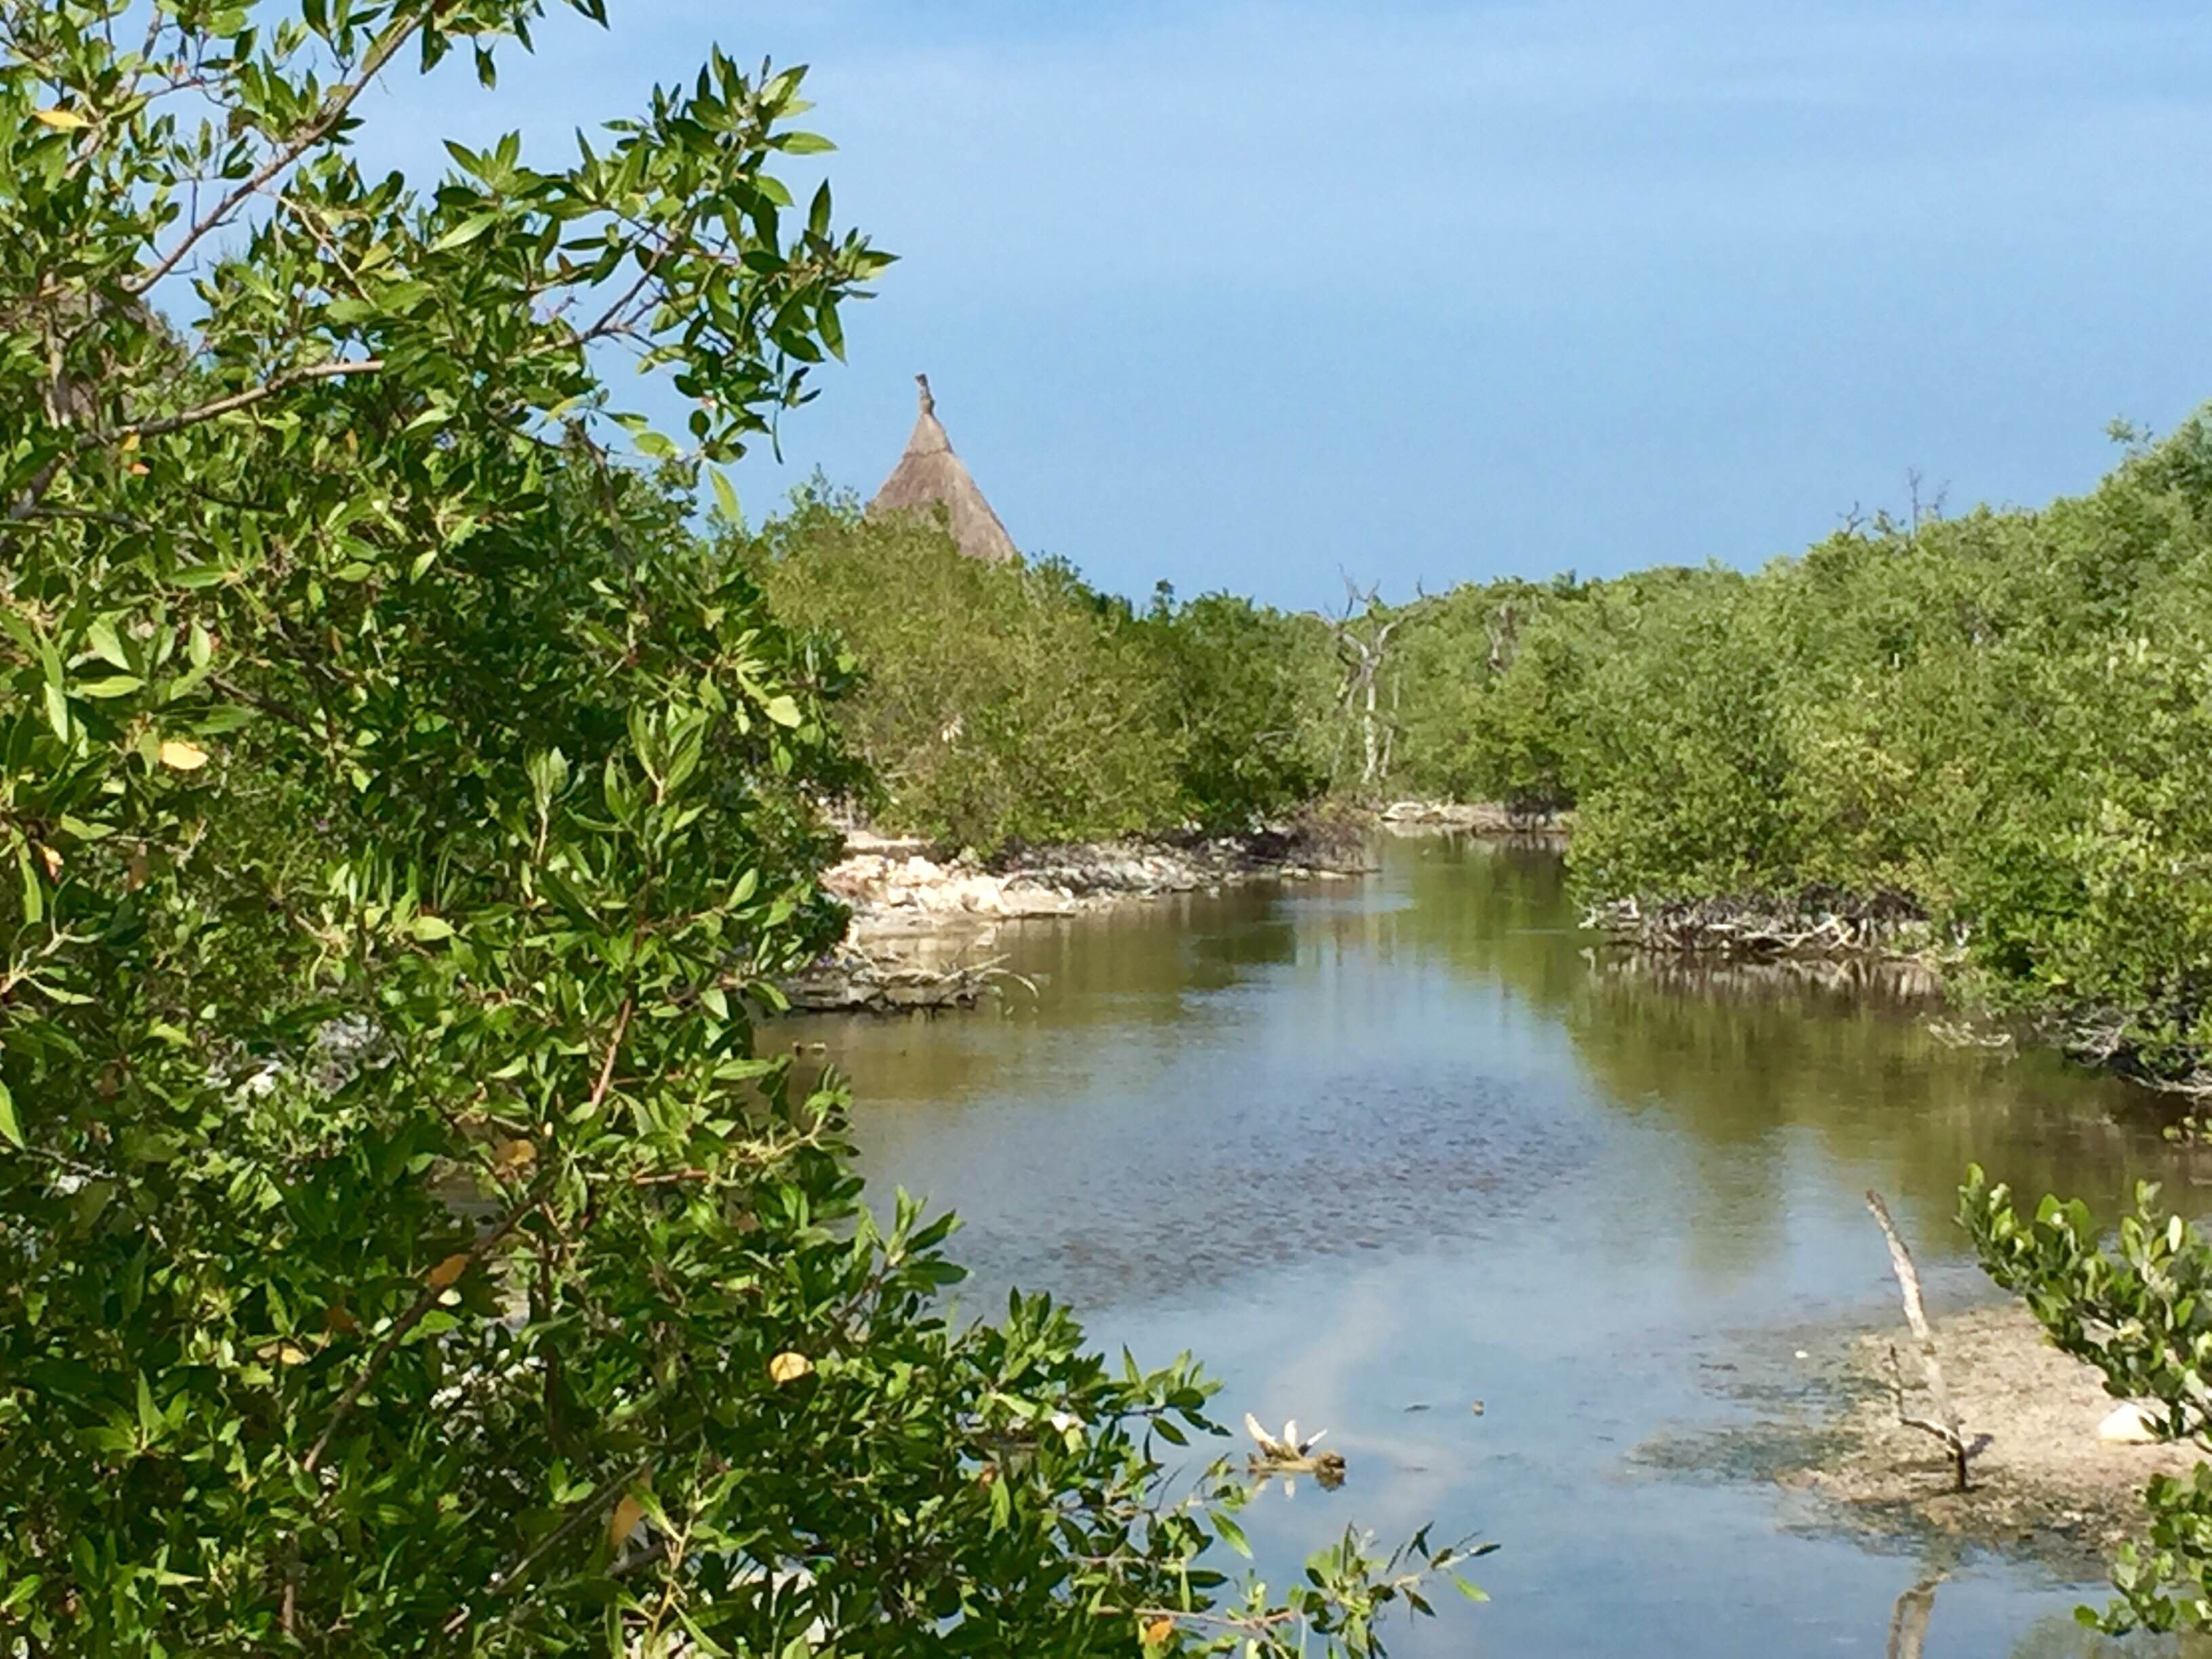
(403, 1247)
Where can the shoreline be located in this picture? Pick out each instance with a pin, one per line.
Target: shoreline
(920, 919)
(895, 888)
(2045, 1485)
(920, 923)
(898, 886)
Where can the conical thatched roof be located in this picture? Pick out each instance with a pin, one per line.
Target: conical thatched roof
(930, 475)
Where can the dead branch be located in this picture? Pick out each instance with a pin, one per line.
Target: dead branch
(1944, 1426)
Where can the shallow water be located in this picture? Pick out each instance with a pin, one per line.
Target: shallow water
(1379, 1149)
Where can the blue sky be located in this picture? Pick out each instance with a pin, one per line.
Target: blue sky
(1247, 295)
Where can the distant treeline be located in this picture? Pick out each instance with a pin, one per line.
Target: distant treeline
(2002, 721)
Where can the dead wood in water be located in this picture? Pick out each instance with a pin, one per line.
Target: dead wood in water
(1816, 923)
(1944, 1426)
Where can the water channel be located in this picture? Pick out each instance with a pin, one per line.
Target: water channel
(1380, 1149)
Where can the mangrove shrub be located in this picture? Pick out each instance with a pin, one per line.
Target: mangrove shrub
(403, 1247)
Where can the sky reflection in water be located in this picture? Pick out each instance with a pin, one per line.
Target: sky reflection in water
(1378, 1150)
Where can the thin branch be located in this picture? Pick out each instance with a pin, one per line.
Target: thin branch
(485, 1243)
(34, 492)
(586, 1512)
(236, 400)
(334, 109)
(416, 1313)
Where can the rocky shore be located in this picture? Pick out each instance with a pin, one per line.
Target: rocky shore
(896, 887)
(1477, 817)
(1817, 924)
(923, 926)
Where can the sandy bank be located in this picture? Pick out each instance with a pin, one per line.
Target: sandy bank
(2045, 1479)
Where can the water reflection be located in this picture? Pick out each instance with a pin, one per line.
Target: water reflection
(1400, 1143)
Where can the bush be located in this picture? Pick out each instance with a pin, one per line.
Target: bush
(402, 1249)
(2000, 719)
(1009, 704)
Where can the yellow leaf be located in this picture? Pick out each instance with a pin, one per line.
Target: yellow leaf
(66, 120)
(182, 756)
(129, 442)
(1158, 1629)
(517, 1154)
(52, 860)
(788, 1367)
(624, 1521)
(291, 1353)
(447, 1271)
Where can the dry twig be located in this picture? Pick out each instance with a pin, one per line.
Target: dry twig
(1944, 1426)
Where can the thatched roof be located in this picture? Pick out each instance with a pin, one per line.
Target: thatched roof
(930, 475)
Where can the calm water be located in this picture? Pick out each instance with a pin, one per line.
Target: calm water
(1379, 1149)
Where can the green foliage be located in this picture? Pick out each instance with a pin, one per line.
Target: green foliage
(999, 704)
(402, 1247)
(2003, 720)
(1005, 704)
(1243, 687)
(2138, 1312)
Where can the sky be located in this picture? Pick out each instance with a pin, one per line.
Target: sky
(1268, 296)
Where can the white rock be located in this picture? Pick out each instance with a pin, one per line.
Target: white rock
(2131, 1425)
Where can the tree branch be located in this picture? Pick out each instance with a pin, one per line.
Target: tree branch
(334, 109)
(236, 400)
(1946, 1426)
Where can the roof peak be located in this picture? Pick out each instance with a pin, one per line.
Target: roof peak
(929, 476)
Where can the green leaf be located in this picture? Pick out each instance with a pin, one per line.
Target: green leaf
(11, 1128)
(782, 709)
(726, 498)
(465, 232)
(803, 143)
(110, 685)
(107, 644)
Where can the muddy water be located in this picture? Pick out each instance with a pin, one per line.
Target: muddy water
(1382, 1149)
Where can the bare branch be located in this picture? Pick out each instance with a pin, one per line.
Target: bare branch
(1944, 1427)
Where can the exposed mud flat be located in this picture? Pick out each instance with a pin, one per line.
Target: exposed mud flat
(1824, 1425)
(2044, 1474)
